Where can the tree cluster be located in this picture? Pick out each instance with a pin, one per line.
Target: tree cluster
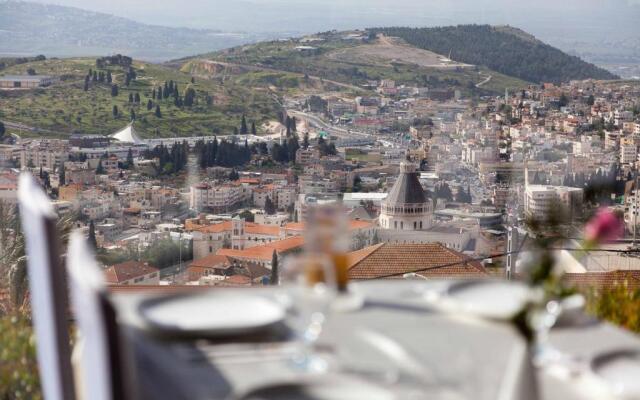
(222, 153)
(170, 160)
(501, 50)
(118, 59)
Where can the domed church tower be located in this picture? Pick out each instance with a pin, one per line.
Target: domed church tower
(406, 207)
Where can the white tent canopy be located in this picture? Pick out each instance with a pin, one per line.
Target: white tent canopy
(128, 135)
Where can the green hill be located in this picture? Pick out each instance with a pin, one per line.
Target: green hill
(504, 49)
(351, 59)
(66, 107)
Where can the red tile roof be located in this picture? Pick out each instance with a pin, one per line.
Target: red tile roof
(597, 280)
(211, 261)
(128, 270)
(264, 252)
(431, 260)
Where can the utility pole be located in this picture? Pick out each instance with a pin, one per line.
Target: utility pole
(635, 209)
(512, 245)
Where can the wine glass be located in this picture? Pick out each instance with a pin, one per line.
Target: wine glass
(311, 283)
(542, 319)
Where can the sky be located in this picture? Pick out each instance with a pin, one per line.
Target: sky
(560, 23)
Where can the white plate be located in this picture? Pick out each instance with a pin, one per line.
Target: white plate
(212, 314)
(328, 387)
(489, 298)
(620, 370)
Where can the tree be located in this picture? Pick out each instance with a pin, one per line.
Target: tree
(357, 184)
(243, 125)
(234, 176)
(109, 78)
(158, 113)
(115, 111)
(462, 196)
(274, 268)
(253, 128)
(129, 159)
(100, 168)
(3, 130)
(149, 105)
(305, 141)
(133, 115)
(247, 216)
(189, 96)
(591, 100)
(269, 207)
(114, 90)
(61, 175)
(92, 236)
(193, 80)
(136, 98)
(130, 97)
(86, 85)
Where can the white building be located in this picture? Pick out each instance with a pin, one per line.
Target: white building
(541, 200)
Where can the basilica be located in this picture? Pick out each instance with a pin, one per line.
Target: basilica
(406, 208)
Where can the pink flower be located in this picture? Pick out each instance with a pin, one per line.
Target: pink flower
(605, 226)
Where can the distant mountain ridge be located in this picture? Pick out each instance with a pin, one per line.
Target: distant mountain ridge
(505, 49)
(32, 28)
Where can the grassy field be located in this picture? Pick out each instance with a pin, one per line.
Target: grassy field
(66, 108)
(346, 61)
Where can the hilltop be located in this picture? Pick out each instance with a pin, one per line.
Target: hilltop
(351, 59)
(503, 49)
(66, 107)
(69, 32)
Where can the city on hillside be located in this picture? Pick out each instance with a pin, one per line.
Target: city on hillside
(280, 216)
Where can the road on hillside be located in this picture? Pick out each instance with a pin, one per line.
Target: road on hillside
(316, 121)
(261, 68)
(23, 127)
(484, 81)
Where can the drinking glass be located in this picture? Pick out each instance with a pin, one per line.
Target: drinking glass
(542, 319)
(310, 281)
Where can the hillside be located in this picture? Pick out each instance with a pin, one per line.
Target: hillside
(504, 49)
(33, 28)
(352, 59)
(66, 107)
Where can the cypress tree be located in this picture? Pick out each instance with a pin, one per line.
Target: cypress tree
(136, 98)
(130, 97)
(274, 268)
(92, 236)
(153, 93)
(253, 128)
(61, 175)
(243, 125)
(115, 111)
(109, 77)
(158, 113)
(149, 105)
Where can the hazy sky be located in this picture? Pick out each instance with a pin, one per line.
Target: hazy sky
(544, 18)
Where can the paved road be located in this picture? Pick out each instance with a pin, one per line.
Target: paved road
(320, 123)
(484, 81)
(23, 127)
(252, 67)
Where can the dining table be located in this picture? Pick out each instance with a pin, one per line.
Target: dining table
(391, 338)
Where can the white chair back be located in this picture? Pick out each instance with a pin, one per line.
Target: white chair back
(47, 290)
(87, 288)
